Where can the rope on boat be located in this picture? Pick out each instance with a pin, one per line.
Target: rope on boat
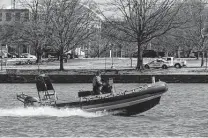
(140, 88)
(135, 90)
(89, 98)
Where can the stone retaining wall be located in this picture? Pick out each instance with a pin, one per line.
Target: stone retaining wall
(10, 78)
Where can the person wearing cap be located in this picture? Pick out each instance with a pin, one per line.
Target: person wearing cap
(97, 83)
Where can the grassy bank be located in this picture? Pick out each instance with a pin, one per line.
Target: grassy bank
(89, 66)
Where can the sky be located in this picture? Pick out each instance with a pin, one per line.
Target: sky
(7, 3)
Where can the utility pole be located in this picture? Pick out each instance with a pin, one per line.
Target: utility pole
(13, 4)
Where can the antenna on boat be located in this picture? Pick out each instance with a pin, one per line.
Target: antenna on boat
(114, 88)
(153, 79)
(112, 84)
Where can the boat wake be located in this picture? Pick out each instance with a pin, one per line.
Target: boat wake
(47, 111)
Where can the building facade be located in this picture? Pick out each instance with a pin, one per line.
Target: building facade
(9, 16)
(12, 16)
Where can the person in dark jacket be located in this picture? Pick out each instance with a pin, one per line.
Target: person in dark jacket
(97, 83)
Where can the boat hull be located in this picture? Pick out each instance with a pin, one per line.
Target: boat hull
(127, 103)
(138, 108)
(124, 104)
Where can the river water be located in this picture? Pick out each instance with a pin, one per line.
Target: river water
(183, 111)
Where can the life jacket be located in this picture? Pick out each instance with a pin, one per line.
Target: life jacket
(95, 82)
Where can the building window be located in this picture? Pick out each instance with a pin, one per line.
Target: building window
(17, 16)
(8, 16)
(26, 17)
(0, 16)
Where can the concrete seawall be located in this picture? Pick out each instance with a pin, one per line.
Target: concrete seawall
(176, 78)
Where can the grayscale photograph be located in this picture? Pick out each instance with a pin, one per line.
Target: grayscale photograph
(103, 68)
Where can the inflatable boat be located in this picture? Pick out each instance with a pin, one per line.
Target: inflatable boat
(127, 102)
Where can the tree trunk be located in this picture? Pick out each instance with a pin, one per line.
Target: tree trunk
(38, 52)
(139, 57)
(166, 54)
(121, 52)
(38, 57)
(189, 53)
(61, 59)
(19, 50)
(179, 52)
(198, 54)
(202, 60)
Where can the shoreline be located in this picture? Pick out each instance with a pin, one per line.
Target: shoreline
(119, 76)
(83, 70)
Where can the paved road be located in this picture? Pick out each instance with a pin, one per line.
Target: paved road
(121, 64)
(96, 63)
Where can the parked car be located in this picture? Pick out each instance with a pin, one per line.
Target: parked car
(157, 63)
(12, 55)
(3, 54)
(177, 63)
(27, 55)
(27, 58)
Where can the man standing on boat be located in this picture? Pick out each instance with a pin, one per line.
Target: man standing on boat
(97, 83)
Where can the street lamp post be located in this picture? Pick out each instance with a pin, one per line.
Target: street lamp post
(99, 36)
(1, 57)
(105, 62)
(112, 56)
(206, 59)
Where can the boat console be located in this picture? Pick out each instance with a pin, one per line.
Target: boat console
(107, 88)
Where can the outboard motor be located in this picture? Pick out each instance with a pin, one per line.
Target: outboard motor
(29, 101)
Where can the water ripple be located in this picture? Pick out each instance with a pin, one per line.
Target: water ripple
(182, 112)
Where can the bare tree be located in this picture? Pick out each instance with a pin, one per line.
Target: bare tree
(71, 23)
(35, 29)
(142, 20)
(6, 33)
(189, 37)
(125, 47)
(199, 17)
